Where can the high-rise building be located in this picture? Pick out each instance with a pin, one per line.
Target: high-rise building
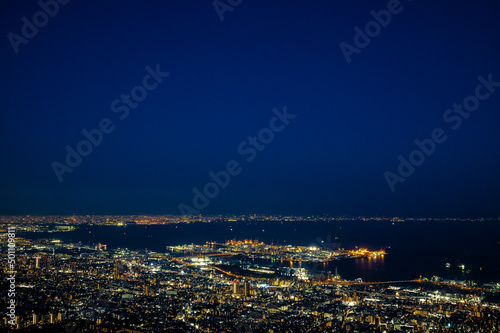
(117, 269)
(235, 286)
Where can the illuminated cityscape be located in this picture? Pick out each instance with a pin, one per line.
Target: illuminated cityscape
(231, 166)
(241, 285)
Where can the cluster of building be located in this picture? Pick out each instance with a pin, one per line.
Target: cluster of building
(258, 250)
(44, 223)
(97, 290)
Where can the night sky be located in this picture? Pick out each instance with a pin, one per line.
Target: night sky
(350, 114)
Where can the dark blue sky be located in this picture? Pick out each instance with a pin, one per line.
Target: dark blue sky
(225, 77)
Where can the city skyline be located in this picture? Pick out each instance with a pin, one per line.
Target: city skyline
(244, 284)
(250, 166)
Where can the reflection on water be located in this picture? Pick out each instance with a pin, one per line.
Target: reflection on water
(368, 267)
(416, 248)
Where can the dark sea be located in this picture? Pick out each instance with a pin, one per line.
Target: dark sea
(413, 248)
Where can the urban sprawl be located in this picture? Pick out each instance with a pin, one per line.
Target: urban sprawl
(53, 286)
